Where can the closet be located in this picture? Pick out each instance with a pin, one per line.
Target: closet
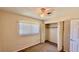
(54, 33)
(51, 30)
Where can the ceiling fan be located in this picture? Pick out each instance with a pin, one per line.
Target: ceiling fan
(46, 11)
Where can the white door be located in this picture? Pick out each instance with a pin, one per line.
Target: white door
(74, 36)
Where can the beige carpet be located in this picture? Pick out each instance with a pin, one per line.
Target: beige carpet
(42, 47)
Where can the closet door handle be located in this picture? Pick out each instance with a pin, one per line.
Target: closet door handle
(72, 40)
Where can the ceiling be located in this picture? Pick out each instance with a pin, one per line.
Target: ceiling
(32, 11)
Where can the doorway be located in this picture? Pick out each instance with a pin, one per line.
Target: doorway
(54, 34)
(51, 30)
(51, 33)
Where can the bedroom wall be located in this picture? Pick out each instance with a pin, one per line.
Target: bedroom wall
(66, 41)
(0, 34)
(11, 40)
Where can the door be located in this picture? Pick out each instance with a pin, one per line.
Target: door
(74, 36)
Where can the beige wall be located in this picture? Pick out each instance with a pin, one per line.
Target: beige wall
(42, 32)
(66, 35)
(47, 32)
(0, 34)
(53, 35)
(9, 38)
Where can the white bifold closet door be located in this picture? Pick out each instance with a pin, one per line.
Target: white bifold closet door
(74, 36)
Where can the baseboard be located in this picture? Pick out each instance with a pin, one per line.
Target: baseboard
(22, 50)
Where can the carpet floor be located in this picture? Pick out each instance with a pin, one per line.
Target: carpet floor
(42, 47)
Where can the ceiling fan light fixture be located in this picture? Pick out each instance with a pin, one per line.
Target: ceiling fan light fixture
(46, 11)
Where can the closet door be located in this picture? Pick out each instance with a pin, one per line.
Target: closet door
(74, 36)
(73, 46)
